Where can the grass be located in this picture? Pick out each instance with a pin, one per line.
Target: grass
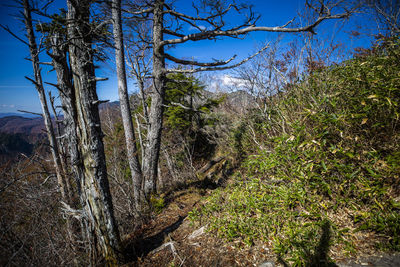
(328, 168)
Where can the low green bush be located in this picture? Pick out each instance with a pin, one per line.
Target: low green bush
(335, 153)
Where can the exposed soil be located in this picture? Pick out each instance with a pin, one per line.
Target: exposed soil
(171, 239)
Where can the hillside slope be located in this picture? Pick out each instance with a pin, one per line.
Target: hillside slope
(320, 181)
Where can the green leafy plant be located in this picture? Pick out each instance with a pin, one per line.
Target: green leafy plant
(329, 147)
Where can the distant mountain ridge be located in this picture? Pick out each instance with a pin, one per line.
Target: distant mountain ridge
(30, 124)
(33, 126)
(18, 114)
(21, 125)
(29, 129)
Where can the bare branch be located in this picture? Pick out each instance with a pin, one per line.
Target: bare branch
(30, 112)
(144, 11)
(167, 31)
(181, 15)
(195, 63)
(53, 84)
(98, 79)
(98, 102)
(46, 63)
(217, 68)
(184, 107)
(237, 32)
(7, 29)
(2, 189)
(109, 21)
(32, 81)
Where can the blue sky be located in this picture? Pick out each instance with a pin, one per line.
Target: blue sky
(18, 93)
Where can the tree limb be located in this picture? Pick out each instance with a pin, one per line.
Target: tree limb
(217, 68)
(30, 112)
(181, 15)
(195, 63)
(214, 33)
(148, 10)
(7, 29)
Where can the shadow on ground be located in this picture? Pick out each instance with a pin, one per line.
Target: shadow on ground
(319, 256)
(146, 239)
(143, 246)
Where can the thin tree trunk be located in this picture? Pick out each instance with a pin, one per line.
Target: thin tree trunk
(95, 191)
(152, 152)
(170, 166)
(138, 126)
(34, 53)
(42, 96)
(143, 99)
(129, 131)
(62, 153)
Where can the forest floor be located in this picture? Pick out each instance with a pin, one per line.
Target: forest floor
(171, 239)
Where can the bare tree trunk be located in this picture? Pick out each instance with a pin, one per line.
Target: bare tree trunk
(67, 96)
(129, 131)
(42, 96)
(62, 153)
(152, 152)
(143, 99)
(95, 191)
(138, 126)
(58, 164)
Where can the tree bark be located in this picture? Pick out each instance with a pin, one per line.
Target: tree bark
(66, 193)
(67, 96)
(129, 131)
(42, 96)
(95, 191)
(152, 152)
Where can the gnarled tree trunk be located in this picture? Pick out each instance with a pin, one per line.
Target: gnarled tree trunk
(95, 191)
(67, 96)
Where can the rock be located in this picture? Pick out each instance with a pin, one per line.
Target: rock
(267, 264)
(197, 233)
(163, 246)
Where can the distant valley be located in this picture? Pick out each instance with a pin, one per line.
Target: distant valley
(19, 135)
(21, 125)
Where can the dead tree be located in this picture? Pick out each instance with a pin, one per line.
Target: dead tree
(139, 58)
(59, 48)
(210, 24)
(95, 191)
(129, 131)
(37, 81)
(63, 182)
(138, 50)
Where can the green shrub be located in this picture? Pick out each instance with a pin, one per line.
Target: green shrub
(330, 144)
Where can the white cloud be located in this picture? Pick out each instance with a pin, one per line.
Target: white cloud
(228, 80)
(7, 106)
(191, 28)
(225, 83)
